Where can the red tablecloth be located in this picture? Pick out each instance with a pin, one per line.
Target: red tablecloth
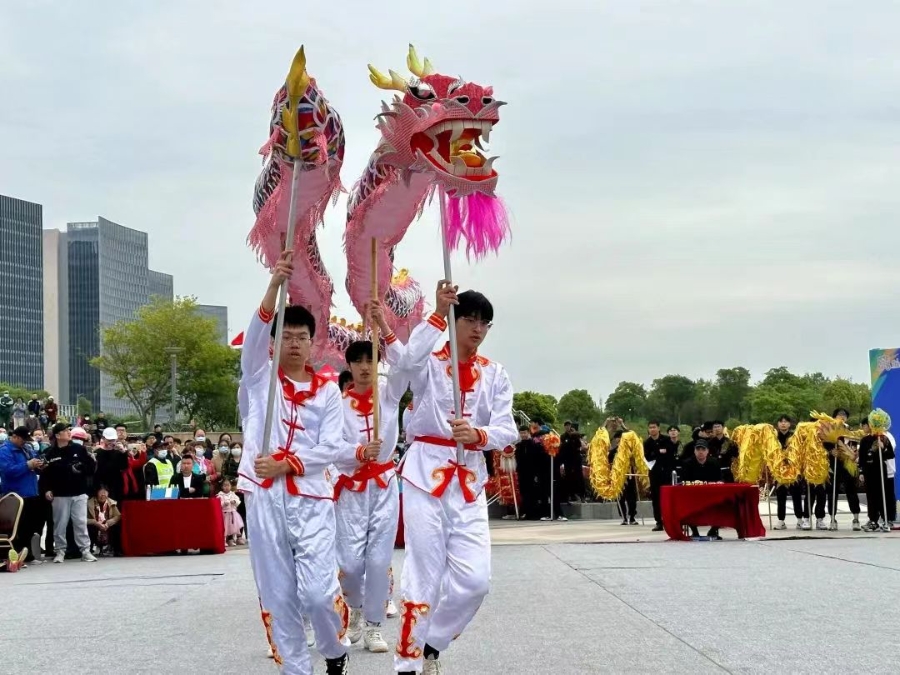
(164, 525)
(734, 505)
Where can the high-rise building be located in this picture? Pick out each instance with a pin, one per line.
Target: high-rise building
(220, 314)
(56, 315)
(108, 282)
(21, 293)
(162, 285)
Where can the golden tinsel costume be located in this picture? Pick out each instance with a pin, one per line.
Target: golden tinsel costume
(608, 480)
(832, 431)
(812, 457)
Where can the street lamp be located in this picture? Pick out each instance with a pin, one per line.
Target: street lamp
(174, 352)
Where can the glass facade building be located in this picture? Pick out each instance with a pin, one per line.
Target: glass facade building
(162, 285)
(21, 293)
(108, 281)
(220, 314)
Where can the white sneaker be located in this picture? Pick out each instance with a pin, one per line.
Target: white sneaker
(59, 557)
(431, 667)
(856, 527)
(833, 525)
(392, 612)
(87, 556)
(820, 524)
(779, 525)
(563, 519)
(374, 641)
(354, 630)
(545, 519)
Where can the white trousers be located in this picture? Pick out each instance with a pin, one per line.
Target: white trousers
(366, 532)
(294, 564)
(446, 572)
(74, 509)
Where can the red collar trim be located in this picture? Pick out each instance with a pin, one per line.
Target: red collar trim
(300, 397)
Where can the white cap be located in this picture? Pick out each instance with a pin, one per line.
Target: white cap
(109, 434)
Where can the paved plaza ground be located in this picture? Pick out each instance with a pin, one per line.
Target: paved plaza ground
(628, 603)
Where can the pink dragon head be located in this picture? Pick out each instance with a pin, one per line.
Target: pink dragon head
(439, 126)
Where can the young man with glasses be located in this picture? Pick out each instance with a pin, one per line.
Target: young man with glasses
(446, 573)
(290, 513)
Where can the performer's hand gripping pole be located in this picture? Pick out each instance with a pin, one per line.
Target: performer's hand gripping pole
(451, 324)
(297, 82)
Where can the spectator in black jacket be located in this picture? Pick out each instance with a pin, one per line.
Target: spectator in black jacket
(65, 482)
(189, 484)
(722, 449)
(528, 458)
(572, 469)
(874, 451)
(658, 449)
(703, 469)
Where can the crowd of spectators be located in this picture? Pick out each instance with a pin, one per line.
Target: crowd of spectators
(73, 481)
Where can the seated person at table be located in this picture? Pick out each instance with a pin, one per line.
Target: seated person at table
(189, 484)
(103, 523)
(703, 469)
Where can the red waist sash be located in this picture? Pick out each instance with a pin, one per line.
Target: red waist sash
(358, 481)
(443, 442)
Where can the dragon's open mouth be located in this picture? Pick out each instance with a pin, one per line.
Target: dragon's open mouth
(453, 146)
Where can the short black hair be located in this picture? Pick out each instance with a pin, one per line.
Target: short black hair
(299, 317)
(707, 426)
(865, 420)
(122, 426)
(474, 305)
(524, 427)
(345, 378)
(785, 418)
(358, 351)
(695, 434)
(652, 423)
(673, 428)
(719, 422)
(839, 411)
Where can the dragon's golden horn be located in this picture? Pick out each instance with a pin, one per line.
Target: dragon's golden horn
(297, 79)
(391, 82)
(416, 67)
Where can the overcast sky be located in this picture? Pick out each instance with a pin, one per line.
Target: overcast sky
(694, 185)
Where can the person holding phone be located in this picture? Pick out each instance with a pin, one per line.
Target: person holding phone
(19, 469)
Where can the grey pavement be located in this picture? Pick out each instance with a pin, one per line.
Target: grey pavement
(787, 606)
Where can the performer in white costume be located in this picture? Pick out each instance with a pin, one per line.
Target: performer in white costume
(290, 513)
(366, 497)
(446, 573)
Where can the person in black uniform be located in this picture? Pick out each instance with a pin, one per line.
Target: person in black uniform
(548, 469)
(874, 470)
(838, 472)
(658, 449)
(722, 448)
(528, 456)
(572, 464)
(703, 469)
(785, 431)
(628, 498)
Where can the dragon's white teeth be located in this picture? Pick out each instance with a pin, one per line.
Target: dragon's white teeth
(384, 107)
(486, 132)
(460, 168)
(478, 143)
(488, 165)
(457, 127)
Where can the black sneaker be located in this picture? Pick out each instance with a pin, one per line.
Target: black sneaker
(624, 522)
(337, 666)
(658, 528)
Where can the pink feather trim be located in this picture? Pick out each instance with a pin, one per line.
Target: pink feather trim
(479, 219)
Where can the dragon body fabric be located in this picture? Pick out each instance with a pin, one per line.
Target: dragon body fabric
(303, 125)
(432, 134)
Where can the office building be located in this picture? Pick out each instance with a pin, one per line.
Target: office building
(162, 285)
(108, 282)
(21, 293)
(56, 315)
(220, 314)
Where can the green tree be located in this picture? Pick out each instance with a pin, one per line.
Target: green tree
(578, 406)
(702, 406)
(673, 393)
(781, 392)
(84, 406)
(840, 393)
(863, 398)
(135, 358)
(627, 401)
(536, 406)
(731, 392)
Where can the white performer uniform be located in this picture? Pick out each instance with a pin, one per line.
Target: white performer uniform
(291, 519)
(447, 569)
(367, 503)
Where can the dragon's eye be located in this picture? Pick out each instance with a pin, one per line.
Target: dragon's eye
(487, 100)
(462, 99)
(421, 91)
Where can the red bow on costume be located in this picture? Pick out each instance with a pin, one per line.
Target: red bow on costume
(358, 481)
(299, 398)
(445, 474)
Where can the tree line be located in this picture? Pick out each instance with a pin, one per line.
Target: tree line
(679, 400)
